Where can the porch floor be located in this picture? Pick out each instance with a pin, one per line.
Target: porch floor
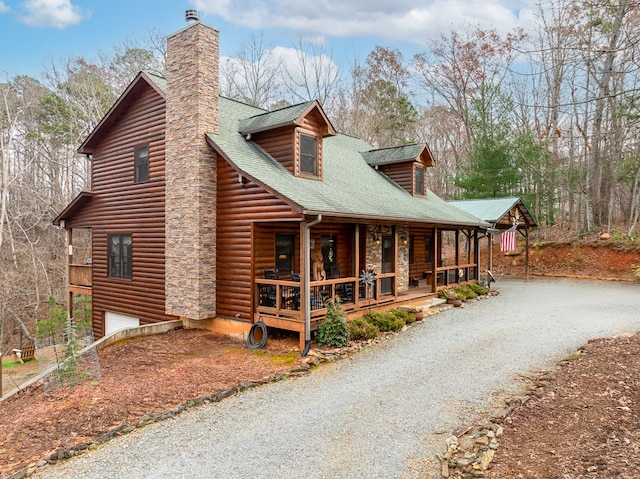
(415, 293)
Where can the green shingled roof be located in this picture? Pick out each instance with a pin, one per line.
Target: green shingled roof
(265, 120)
(398, 154)
(160, 82)
(350, 187)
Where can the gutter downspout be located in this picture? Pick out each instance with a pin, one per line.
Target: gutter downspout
(307, 286)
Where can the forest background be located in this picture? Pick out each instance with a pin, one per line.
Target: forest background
(550, 116)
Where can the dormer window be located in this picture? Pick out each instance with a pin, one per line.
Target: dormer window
(419, 188)
(309, 157)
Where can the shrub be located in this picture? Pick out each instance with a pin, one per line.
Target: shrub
(406, 316)
(360, 329)
(465, 292)
(386, 321)
(447, 293)
(55, 323)
(332, 331)
(478, 289)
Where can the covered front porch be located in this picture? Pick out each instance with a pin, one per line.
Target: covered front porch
(408, 262)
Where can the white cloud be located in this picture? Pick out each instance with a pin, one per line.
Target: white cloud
(319, 68)
(411, 21)
(3, 8)
(51, 13)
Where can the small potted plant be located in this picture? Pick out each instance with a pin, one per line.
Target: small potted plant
(451, 296)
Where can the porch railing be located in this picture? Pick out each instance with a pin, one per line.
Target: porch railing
(282, 299)
(80, 275)
(449, 275)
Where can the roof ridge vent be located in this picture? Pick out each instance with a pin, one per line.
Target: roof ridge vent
(191, 16)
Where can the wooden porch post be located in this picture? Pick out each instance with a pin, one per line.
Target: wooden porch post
(305, 273)
(490, 248)
(434, 262)
(457, 240)
(395, 260)
(526, 253)
(69, 236)
(305, 278)
(356, 263)
(476, 249)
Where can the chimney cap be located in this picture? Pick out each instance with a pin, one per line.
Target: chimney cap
(191, 16)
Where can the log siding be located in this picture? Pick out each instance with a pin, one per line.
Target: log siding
(121, 206)
(247, 217)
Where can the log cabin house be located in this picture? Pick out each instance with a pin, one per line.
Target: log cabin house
(208, 210)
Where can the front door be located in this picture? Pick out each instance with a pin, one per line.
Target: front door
(388, 263)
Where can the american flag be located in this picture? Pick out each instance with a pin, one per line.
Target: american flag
(508, 239)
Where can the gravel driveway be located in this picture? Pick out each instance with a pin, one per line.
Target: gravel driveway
(381, 413)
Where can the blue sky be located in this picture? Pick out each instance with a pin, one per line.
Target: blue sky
(33, 33)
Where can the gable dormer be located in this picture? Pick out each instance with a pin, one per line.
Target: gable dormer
(292, 136)
(405, 165)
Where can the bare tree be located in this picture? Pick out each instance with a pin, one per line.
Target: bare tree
(253, 76)
(314, 75)
(459, 67)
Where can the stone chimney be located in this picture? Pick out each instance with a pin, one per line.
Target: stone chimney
(191, 111)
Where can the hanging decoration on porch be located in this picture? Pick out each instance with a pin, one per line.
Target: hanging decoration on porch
(515, 216)
(508, 239)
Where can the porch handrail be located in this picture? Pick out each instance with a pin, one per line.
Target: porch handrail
(282, 297)
(456, 266)
(470, 273)
(80, 275)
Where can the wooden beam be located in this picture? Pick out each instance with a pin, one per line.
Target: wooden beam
(394, 230)
(526, 254)
(69, 236)
(490, 247)
(305, 273)
(434, 259)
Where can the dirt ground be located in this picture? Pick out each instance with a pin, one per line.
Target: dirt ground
(589, 259)
(142, 376)
(582, 421)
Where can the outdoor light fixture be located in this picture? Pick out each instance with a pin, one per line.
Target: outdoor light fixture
(376, 235)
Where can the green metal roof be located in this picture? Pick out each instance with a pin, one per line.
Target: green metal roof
(398, 154)
(350, 187)
(493, 210)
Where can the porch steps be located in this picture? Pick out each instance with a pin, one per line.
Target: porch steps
(432, 303)
(428, 306)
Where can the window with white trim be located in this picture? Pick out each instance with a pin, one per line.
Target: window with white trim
(419, 188)
(309, 157)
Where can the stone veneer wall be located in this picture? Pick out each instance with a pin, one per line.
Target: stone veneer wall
(403, 258)
(374, 254)
(192, 111)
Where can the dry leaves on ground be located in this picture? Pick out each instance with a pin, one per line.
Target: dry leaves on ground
(144, 375)
(584, 422)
